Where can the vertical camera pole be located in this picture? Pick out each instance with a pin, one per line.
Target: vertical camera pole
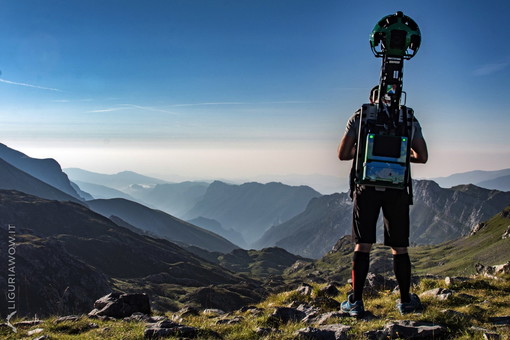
(383, 146)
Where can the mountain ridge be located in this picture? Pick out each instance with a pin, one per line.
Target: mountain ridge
(161, 224)
(46, 170)
(251, 208)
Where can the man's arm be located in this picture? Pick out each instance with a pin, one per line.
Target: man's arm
(419, 153)
(346, 149)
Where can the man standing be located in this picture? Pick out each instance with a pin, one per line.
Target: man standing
(368, 201)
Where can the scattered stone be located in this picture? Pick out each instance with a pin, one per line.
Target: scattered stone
(454, 280)
(43, 337)
(327, 317)
(500, 320)
(138, 317)
(376, 335)
(188, 311)
(506, 234)
(305, 289)
(119, 305)
(307, 309)
(327, 332)
(438, 293)
(329, 291)
(168, 330)
(27, 323)
(376, 283)
(414, 330)
(491, 336)
(299, 265)
(476, 228)
(265, 331)
(286, 314)
(68, 318)
(255, 311)
(325, 302)
(234, 321)
(35, 331)
(492, 271)
(213, 312)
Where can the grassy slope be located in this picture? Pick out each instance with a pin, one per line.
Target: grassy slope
(458, 257)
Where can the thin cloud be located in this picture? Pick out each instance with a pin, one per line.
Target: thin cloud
(488, 69)
(123, 107)
(5, 81)
(245, 103)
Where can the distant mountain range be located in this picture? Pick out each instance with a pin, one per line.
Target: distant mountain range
(251, 208)
(173, 198)
(437, 215)
(498, 179)
(142, 218)
(120, 181)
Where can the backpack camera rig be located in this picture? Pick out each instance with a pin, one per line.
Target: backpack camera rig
(384, 139)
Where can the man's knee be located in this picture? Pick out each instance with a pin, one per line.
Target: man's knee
(363, 247)
(398, 250)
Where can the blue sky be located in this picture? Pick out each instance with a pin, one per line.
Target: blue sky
(195, 89)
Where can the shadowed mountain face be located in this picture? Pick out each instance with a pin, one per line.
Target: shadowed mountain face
(46, 170)
(175, 198)
(64, 248)
(440, 215)
(437, 215)
(251, 208)
(313, 232)
(16, 179)
(161, 224)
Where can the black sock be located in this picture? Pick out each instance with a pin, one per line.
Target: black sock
(360, 265)
(402, 269)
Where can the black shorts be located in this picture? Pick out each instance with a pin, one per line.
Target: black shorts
(395, 206)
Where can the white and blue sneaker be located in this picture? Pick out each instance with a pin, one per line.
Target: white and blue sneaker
(413, 306)
(355, 308)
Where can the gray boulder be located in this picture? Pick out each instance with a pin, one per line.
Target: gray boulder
(438, 293)
(407, 329)
(287, 314)
(327, 332)
(119, 305)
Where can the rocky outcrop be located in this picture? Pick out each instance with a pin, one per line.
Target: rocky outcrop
(327, 332)
(506, 234)
(225, 297)
(407, 329)
(491, 271)
(48, 279)
(118, 305)
(167, 328)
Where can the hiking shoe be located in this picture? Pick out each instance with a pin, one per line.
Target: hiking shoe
(355, 308)
(413, 306)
